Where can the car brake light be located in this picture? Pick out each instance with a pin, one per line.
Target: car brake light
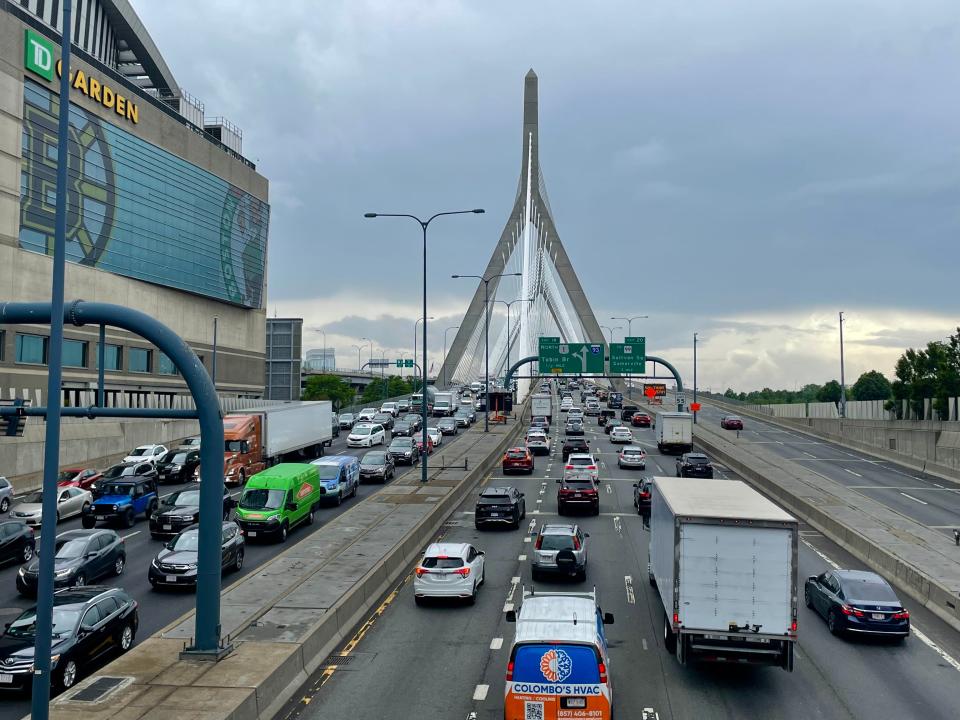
(568, 467)
(902, 615)
(576, 543)
(421, 571)
(847, 610)
(591, 467)
(463, 572)
(539, 542)
(603, 672)
(510, 671)
(793, 626)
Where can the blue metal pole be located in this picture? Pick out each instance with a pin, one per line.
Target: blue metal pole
(40, 701)
(101, 355)
(423, 458)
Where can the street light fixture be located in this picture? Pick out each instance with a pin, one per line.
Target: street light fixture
(610, 330)
(443, 380)
(509, 305)
(486, 336)
(630, 332)
(424, 224)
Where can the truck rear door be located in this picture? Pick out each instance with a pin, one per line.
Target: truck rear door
(735, 574)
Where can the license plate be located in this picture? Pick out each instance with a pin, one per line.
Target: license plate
(168, 527)
(576, 702)
(878, 616)
(578, 495)
(6, 678)
(171, 578)
(494, 514)
(252, 533)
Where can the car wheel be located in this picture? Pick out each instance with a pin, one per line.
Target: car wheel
(560, 508)
(151, 509)
(807, 599)
(238, 563)
(472, 600)
(477, 525)
(283, 532)
(4, 505)
(833, 623)
(126, 638)
(67, 675)
(418, 600)
(80, 580)
(483, 574)
(242, 477)
(27, 553)
(310, 517)
(339, 498)
(118, 565)
(535, 575)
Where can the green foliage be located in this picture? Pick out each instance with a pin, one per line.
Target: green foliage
(768, 396)
(382, 388)
(933, 372)
(830, 392)
(328, 387)
(872, 385)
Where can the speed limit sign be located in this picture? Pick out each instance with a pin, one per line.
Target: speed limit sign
(681, 399)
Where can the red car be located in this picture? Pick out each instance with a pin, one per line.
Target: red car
(731, 422)
(519, 459)
(641, 420)
(420, 444)
(78, 477)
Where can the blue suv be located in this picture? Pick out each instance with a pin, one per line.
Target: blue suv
(120, 501)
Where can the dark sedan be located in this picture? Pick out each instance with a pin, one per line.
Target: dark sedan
(415, 420)
(180, 510)
(177, 466)
(176, 564)
(575, 445)
(88, 622)
(857, 601)
(731, 422)
(641, 495)
(80, 557)
(347, 421)
(377, 465)
(385, 419)
(17, 542)
(401, 428)
(611, 424)
(499, 505)
(694, 465)
(447, 426)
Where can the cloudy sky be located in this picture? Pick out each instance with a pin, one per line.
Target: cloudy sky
(739, 169)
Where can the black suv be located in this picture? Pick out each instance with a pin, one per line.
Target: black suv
(87, 623)
(500, 505)
(575, 445)
(177, 465)
(401, 428)
(404, 450)
(627, 411)
(180, 510)
(122, 500)
(694, 465)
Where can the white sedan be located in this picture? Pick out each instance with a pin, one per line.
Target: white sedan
(436, 437)
(621, 434)
(366, 435)
(449, 570)
(366, 415)
(151, 453)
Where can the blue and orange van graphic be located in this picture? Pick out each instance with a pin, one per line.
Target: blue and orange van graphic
(554, 681)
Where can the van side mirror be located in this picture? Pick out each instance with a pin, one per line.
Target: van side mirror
(292, 506)
(511, 616)
(608, 618)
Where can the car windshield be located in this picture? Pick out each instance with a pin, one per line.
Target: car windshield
(233, 446)
(446, 422)
(402, 443)
(346, 416)
(328, 472)
(261, 499)
(71, 548)
(117, 489)
(581, 461)
(118, 471)
(632, 451)
(140, 452)
(361, 431)
(516, 454)
(380, 417)
(65, 619)
(374, 458)
(184, 497)
(555, 542)
(494, 499)
(697, 460)
(174, 457)
(186, 541)
(442, 563)
(34, 498)
(868, 590)
(66, 475)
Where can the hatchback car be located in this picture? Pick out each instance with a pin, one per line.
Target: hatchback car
(6, 494)
(578, 490)
(560, 548)
(694, 465)
(582, 463)
(366, 415)
(500, 505)
(71, 501)
(377, 465)
(80, 557)
(449, 570)
(447, 426)
(176, 564)
(88, 622)
(17, 542)
(857, 601)
(574, 445)
(347, 421)
(73, 477)
(632, 457)
(177, 466)
(621, 434)
(366, 435)
(641, 419)
(641, 495)
(150, 453)
(731, 422)
(517, 459)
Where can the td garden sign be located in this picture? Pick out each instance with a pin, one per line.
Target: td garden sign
(38, 58)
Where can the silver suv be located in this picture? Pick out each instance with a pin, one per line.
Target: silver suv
(561, 548)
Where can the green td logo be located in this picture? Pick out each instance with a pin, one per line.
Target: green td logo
(38, 54)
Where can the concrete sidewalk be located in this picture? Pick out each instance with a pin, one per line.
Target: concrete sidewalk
(286, 618)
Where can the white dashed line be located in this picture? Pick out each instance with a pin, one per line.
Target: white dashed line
(852, 472)
(480, 693)
(137, 532)
(609, 489)
(496, 643)
(809, 454)
(628, 583)
(526, 539)
(644, 641)
(618, 524)
(917, 500)
(522, 558)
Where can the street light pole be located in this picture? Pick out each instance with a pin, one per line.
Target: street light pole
(358, 347)
(610, 330)
(695, 374)
(486, 337)
(213, 363)
(417, 322)
(509, 336)
(630, 332)
(424, 224)
(444, 380)
(843, 384)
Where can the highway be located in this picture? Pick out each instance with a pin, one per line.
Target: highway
(158, 609)
(447, 660)
(922, 497)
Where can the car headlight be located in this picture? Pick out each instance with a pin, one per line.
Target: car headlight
(185, 518)
(63, 572)
(273, 519)
(192, 566)
(114, 508)
(155, 563)
(175, 468)
(22, 571)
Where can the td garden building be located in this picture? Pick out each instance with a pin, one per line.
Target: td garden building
(165, 214)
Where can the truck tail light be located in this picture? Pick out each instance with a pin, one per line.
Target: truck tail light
(676, 619)
(510, 671)
(793, 627)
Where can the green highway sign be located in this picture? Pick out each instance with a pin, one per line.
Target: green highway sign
(558, 357)
(407, 362)
(629, 356)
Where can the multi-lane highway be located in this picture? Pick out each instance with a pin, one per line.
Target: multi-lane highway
(922, 497)
(158, 609)
(447, 660)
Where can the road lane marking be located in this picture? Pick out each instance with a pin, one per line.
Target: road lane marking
(644, 641)
(526, 539)
(496, 643)
(808, 454)
(617, 524)
(649, 714)
(522, 558)
(137, 532)
(628, 583)
(918, 500)
(480, 693)
(852, 472)
(609, 489)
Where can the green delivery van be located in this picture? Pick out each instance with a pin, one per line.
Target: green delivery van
(278, 499)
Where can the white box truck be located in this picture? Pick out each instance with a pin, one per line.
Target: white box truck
(443, 404)
(674, 432)
(541, 405)
(724, 561)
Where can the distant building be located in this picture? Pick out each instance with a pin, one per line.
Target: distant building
(323, 359)
(284, 346)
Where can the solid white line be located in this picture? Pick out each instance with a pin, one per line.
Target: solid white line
(852, 472)
(914, 499)
(809, 454)
(496, 643)
(481, 692)
(137, 532)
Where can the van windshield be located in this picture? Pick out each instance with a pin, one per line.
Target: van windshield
(567, 664)
(328, 472)
(262, 499)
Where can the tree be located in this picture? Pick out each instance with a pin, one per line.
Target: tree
(933, 372)
(380, 389)
(872, 385)
(328, 387)
(830, 392)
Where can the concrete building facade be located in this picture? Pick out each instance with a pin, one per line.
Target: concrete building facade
(320, 359)
(165, 215)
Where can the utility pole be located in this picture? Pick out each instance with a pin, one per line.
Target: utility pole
(843, 385)
(695, 374)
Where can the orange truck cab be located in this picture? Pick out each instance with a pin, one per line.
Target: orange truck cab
(243, 450)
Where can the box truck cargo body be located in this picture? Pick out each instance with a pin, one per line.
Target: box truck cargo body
(674, 432)
(542, 406)
(724, 561)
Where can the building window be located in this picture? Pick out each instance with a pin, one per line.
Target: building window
(139, 360)
(74, 353)
(112, 357)
(165, 365)
(31, 349)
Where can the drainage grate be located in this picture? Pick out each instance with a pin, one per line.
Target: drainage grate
(338, 660)
(98, 689)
